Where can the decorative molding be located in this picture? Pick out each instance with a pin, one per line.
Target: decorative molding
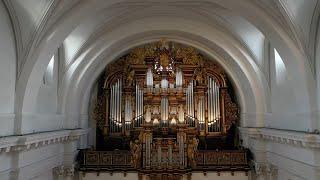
(30, 141)
(271, 170)
(63, 171)
(264, 169)
(294, 138)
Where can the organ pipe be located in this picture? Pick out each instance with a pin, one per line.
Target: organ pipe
(192, 105)
(117, 101)
(187, 101)
(209, 102)
(115, 107)
(139, 105)
(149, 78)
(213, 106)
(119, 111)
(179, 78)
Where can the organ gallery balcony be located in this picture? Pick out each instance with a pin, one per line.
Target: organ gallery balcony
(121, 160)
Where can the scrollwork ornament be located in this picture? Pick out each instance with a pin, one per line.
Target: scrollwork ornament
(271, 170)
(69, 171)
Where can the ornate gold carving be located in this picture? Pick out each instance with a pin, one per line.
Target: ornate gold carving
(201, 76)
(231, 109)
(132, 68)
(189, 55)
(191, 151)
(129, 75)
(221, 158)
(135, 148)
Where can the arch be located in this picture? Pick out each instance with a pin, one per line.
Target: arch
(36, 62)
(177, 35)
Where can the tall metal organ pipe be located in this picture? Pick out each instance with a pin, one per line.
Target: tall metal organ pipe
(179, 79)
(139, 105)
(192, 104)
(149, 78)
(120, 103)
(115, 107)
(213, 106)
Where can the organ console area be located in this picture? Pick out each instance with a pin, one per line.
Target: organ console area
(162, 107)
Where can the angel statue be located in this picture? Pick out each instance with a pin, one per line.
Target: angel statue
(200, 76)
(191, 150)
(135, 148)
(130, 77)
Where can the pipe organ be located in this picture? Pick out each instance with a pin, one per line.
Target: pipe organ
(164, 101)
(166, 87)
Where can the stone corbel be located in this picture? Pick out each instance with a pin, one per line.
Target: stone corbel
(58, 171)
(259, 168)
(69, 171)
(271, 170)
(63, 171)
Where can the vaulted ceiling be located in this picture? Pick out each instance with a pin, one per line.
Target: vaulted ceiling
(88, 34)
(31, 20)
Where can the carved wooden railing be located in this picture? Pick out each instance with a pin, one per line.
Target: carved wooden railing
(234, 160)
(222, 160)
(105, 160)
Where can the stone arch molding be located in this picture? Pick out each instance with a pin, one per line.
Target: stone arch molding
(181, 30)
(246, 76)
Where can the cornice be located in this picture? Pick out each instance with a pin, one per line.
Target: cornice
(30, 141)
(294, 138)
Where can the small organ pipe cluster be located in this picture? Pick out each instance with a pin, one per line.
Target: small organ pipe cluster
(165, 84)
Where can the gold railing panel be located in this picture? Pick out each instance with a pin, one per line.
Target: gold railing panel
(221, 158)
(208, 160)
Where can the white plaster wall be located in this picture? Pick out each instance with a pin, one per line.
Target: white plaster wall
(47, 95)
(47, 175)
(7, 73)
(29, 17)
(251, 37)
(79, 36)
(301, 13)
(36, 163)
(285, 175)
(299, 162)
(317, 64)
(5, 166)
(287, 111)
(35, 122)
(45, 117)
